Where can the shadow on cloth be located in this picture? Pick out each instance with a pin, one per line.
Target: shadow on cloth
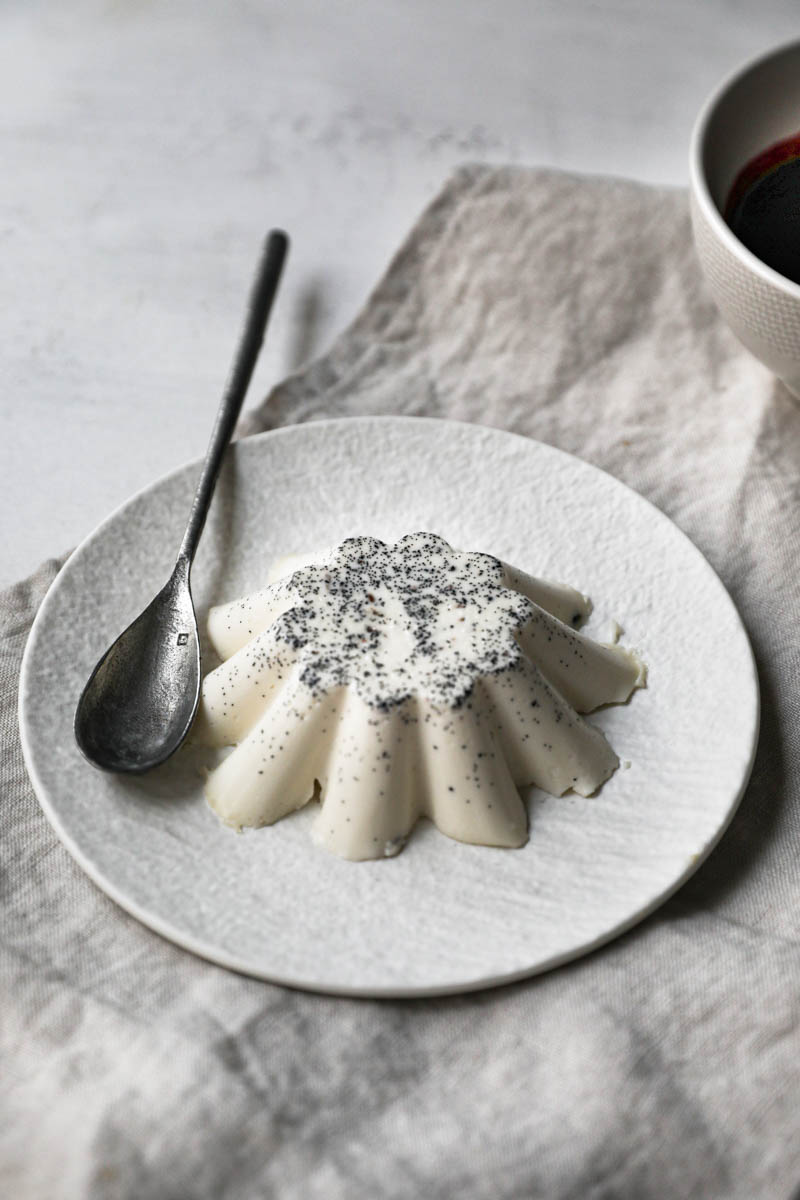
(754, 821)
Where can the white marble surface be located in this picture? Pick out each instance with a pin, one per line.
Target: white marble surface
(146, 148)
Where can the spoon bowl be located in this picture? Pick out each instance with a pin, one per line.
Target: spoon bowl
(141, 698)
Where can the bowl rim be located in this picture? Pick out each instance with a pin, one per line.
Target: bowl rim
(697, 178)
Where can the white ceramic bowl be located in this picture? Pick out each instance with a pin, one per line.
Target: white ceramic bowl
(750, 110)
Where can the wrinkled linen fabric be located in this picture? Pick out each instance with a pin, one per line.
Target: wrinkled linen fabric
(666, 1064)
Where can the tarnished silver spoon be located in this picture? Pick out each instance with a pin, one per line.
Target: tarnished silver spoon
(141, 698)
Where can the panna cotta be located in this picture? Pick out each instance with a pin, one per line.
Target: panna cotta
(392, 682)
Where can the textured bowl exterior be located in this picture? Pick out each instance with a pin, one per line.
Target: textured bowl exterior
(750, 110)
(765, 318)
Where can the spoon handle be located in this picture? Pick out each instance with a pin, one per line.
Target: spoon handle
(262, 294)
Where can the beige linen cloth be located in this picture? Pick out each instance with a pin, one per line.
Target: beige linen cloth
(664, 1065)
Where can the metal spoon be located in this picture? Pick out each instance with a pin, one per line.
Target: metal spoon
(141, 698)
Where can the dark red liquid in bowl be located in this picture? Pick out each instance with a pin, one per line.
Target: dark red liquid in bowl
(763, 207)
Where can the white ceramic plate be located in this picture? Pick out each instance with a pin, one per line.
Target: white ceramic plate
(441, 917)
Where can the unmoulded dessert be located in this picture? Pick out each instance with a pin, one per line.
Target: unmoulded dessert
(401, 681)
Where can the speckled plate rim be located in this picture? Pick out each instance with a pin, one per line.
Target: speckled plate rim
(232, 962)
